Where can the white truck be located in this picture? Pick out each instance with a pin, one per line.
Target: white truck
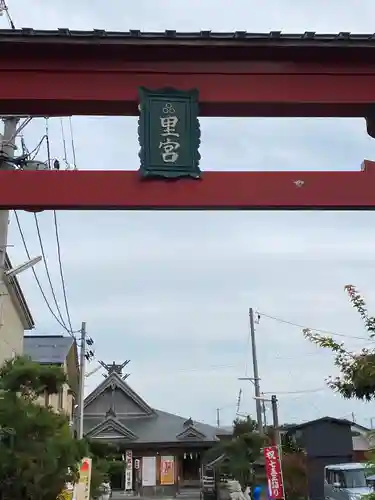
(348, 481)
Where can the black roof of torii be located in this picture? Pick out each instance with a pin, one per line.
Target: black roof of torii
(307, 38)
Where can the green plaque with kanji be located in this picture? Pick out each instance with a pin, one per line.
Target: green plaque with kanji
(169, 133)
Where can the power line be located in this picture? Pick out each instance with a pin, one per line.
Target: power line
(4, 8)
(61, 269)
(38, 281)
(72, 142)
(47, 270)
(319, 330)
(56, 223)
(48, 144)
(303, 391)
(65, 159)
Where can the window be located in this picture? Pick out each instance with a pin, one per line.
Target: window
(61, 399)
(334, 476)
(355, 478)
(46, 398)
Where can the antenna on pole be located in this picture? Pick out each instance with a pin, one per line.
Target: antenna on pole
(239, 401)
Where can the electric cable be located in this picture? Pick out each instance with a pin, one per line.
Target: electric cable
(62, 278)
(47, 269)
(35, 151)
(71, 333)
(65, 159)
(61, 270)
(303, 391)
(72, 142)
(48, 144)
(327, 332)
(4, 8)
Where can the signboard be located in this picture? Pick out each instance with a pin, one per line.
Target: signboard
(128, 470)
(274, 473)
(169, 133)
(136, 463)
(83, 486)
(167, 470)
(149, 471)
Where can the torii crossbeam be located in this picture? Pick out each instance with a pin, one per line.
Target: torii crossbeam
(50, 73)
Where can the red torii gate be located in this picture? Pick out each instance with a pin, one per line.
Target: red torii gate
(47, 73)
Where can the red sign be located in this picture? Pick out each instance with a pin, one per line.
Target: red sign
(274, 473)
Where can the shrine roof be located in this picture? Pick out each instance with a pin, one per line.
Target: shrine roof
(306, 38)
(162, 427)
(195, 45)
(126, 415)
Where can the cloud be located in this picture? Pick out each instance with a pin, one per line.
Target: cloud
(171, 291)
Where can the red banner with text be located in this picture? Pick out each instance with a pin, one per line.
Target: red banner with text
(274, 473)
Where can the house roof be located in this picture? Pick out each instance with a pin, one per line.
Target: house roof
(339, 421)
(360, 427)
(148, 425)
(47, 349)
(18, 297)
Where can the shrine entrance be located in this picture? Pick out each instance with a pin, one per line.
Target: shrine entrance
(171, 79)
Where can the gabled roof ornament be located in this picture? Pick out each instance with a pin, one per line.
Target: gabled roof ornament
(111, 413)
(115, 383)
(115, 368)
(189, 422)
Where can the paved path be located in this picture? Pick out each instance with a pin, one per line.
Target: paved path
(186, 494)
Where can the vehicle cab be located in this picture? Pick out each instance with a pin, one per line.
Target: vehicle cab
(346, 481)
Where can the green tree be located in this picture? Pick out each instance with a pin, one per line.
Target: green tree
(357, 369)
(105, 457)
(236, 457)
(38, 453)
(295, 474)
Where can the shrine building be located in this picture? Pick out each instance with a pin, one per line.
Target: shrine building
(162, 452)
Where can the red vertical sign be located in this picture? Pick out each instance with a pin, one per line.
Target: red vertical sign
(274, 473)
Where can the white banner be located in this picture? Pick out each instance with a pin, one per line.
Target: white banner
(128, 470)
(149, 471)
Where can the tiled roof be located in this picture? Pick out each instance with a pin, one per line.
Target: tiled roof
(149, 425)
(270, 38)
(162, 427)
(48, 349)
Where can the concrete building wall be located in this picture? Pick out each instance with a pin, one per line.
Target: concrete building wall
(11, 327)
(63, 402)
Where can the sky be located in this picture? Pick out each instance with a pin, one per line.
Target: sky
(171, 291)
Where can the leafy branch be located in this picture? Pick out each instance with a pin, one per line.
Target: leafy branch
(358, 303)
(357, 370)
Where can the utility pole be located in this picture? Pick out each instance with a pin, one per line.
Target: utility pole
(82, 370)
(275, 418)
(218, 417)
(7, 149)
(255, 372)
(264, 413)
